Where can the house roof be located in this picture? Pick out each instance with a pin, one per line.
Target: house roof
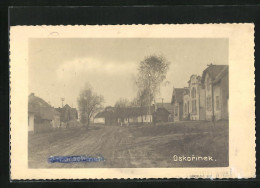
(221, 74)
(167, 106)
(213, 71)
(105, 114)
(40, 108)
(177, 94)
(134, 111)
(65, 108)
(126, 112)
(162, 111)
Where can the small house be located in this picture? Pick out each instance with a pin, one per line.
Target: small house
(41, 116)
(106, 117)
(162, 115)
(177, 101)
(68, 115)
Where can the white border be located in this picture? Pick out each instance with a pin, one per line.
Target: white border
(242, 104)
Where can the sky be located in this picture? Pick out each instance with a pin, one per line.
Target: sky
(60, 67)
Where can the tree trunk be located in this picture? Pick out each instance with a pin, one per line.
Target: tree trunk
(88, 122)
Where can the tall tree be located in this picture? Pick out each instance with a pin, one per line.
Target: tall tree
(151, 73)
(122, 102)
(120, 108)
(89, 103)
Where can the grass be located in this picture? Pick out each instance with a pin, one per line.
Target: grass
(195, 138)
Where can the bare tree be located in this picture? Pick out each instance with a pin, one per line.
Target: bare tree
(151, 74)
(120, 108)
(89, 103)
(122, 102)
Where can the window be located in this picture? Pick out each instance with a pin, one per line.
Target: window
(209, 103)
(217, 103)
(193, 92)
(185, 108)
(176, 111)
(194, 106)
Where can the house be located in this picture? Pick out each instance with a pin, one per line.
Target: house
(215, 82)
(68, 115)
(196, 105)
(106, 117)
(168, 106)
(135, 114)
(177, 101)
(56, 119)
(99, 118)
(162, 115)
(41, 116)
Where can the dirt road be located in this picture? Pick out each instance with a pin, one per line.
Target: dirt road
(121, 147)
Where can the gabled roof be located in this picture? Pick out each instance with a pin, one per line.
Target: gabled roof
(162, 111)
(135, 111)
(177, 94)
(40, 108)
(67, 106)
(213, 71)
(167, 106)
(221, 74)
(126, 112)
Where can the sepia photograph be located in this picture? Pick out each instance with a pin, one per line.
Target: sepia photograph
(128, 102)
(132, 101)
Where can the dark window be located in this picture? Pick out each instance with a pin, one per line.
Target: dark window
(209, 103)
(194, 106)
(193, 93)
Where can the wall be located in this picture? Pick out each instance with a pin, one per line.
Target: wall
(186, 99)
(208, 93)
(147, 118)
(202, 107)
(194, 114)
(99, 120)
(31, 122)
(224, 97)
(56, 121)
(216, 94)
(42, 125)
(176, 112)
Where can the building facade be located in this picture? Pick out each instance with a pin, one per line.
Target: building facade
(196, 99)
(206, 98)
(177, 101)
(215, 80)
(42, 117)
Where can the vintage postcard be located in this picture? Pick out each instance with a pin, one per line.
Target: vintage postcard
(132, 101)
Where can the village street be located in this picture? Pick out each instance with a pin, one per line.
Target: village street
(129, 147)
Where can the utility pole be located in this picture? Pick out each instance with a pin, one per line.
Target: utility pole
(149, 95)
(62, 99)
(162, 102)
